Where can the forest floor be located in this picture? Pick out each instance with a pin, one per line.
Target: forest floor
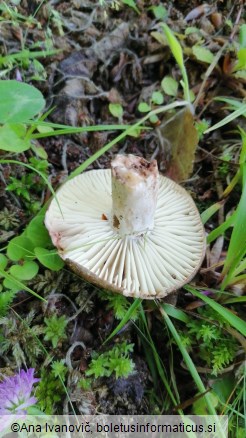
(110, 63)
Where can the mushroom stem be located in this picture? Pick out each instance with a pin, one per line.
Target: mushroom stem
(134, 194)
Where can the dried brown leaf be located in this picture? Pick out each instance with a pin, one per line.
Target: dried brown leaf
(179, 135)
(215, 253)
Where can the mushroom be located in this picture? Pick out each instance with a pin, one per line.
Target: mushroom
(128, 229)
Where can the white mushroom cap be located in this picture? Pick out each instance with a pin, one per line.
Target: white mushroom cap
(148, 265)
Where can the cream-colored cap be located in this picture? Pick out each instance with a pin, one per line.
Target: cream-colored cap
(149, 265)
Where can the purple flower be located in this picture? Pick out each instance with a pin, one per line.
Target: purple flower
(15, 393)
(206, 292)
(18, 75)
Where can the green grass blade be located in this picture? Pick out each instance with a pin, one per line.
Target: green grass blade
(221, 228)
(21, 285)
(232, 103)
(158, 362)
(73, 130)
(38, 172)
(234, 115)
(189, 363)
(237, 246)
(178, 55)
(121, 136)
(174, 46)
(27, 55)
(236, 300)
(176, 313)
(42, 122)
(233, 183)
(210, 211)
(31, 168)
(148, 353)
(242, 158)
(238, 279)
(232, 319)
(136, 303)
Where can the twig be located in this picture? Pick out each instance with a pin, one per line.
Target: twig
(236, 24)
(209, 71)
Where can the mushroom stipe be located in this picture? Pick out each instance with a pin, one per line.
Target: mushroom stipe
(128, 229)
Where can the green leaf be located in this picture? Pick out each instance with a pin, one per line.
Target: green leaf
(203, 54)
(49, 259)
(135, 132)
(199, 407)
(224, 387)
(240, 74)
(153, 119)
(11, 285)
(18, 128)
(159, 11)
(191, 93)
(19, 102)
(143, 107)
(169, 86)
(10, 139)
(157, 98)
(45, 128)
(192, 29)
(116, 110)
(241, 55)
(20, 247)
(242, 36)
(27, 271)
(159, 37)
(18, 285)
(201, 127)
(34, 410)
(37, 232)
(40, 151)
(131, 4)
(3, 261)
